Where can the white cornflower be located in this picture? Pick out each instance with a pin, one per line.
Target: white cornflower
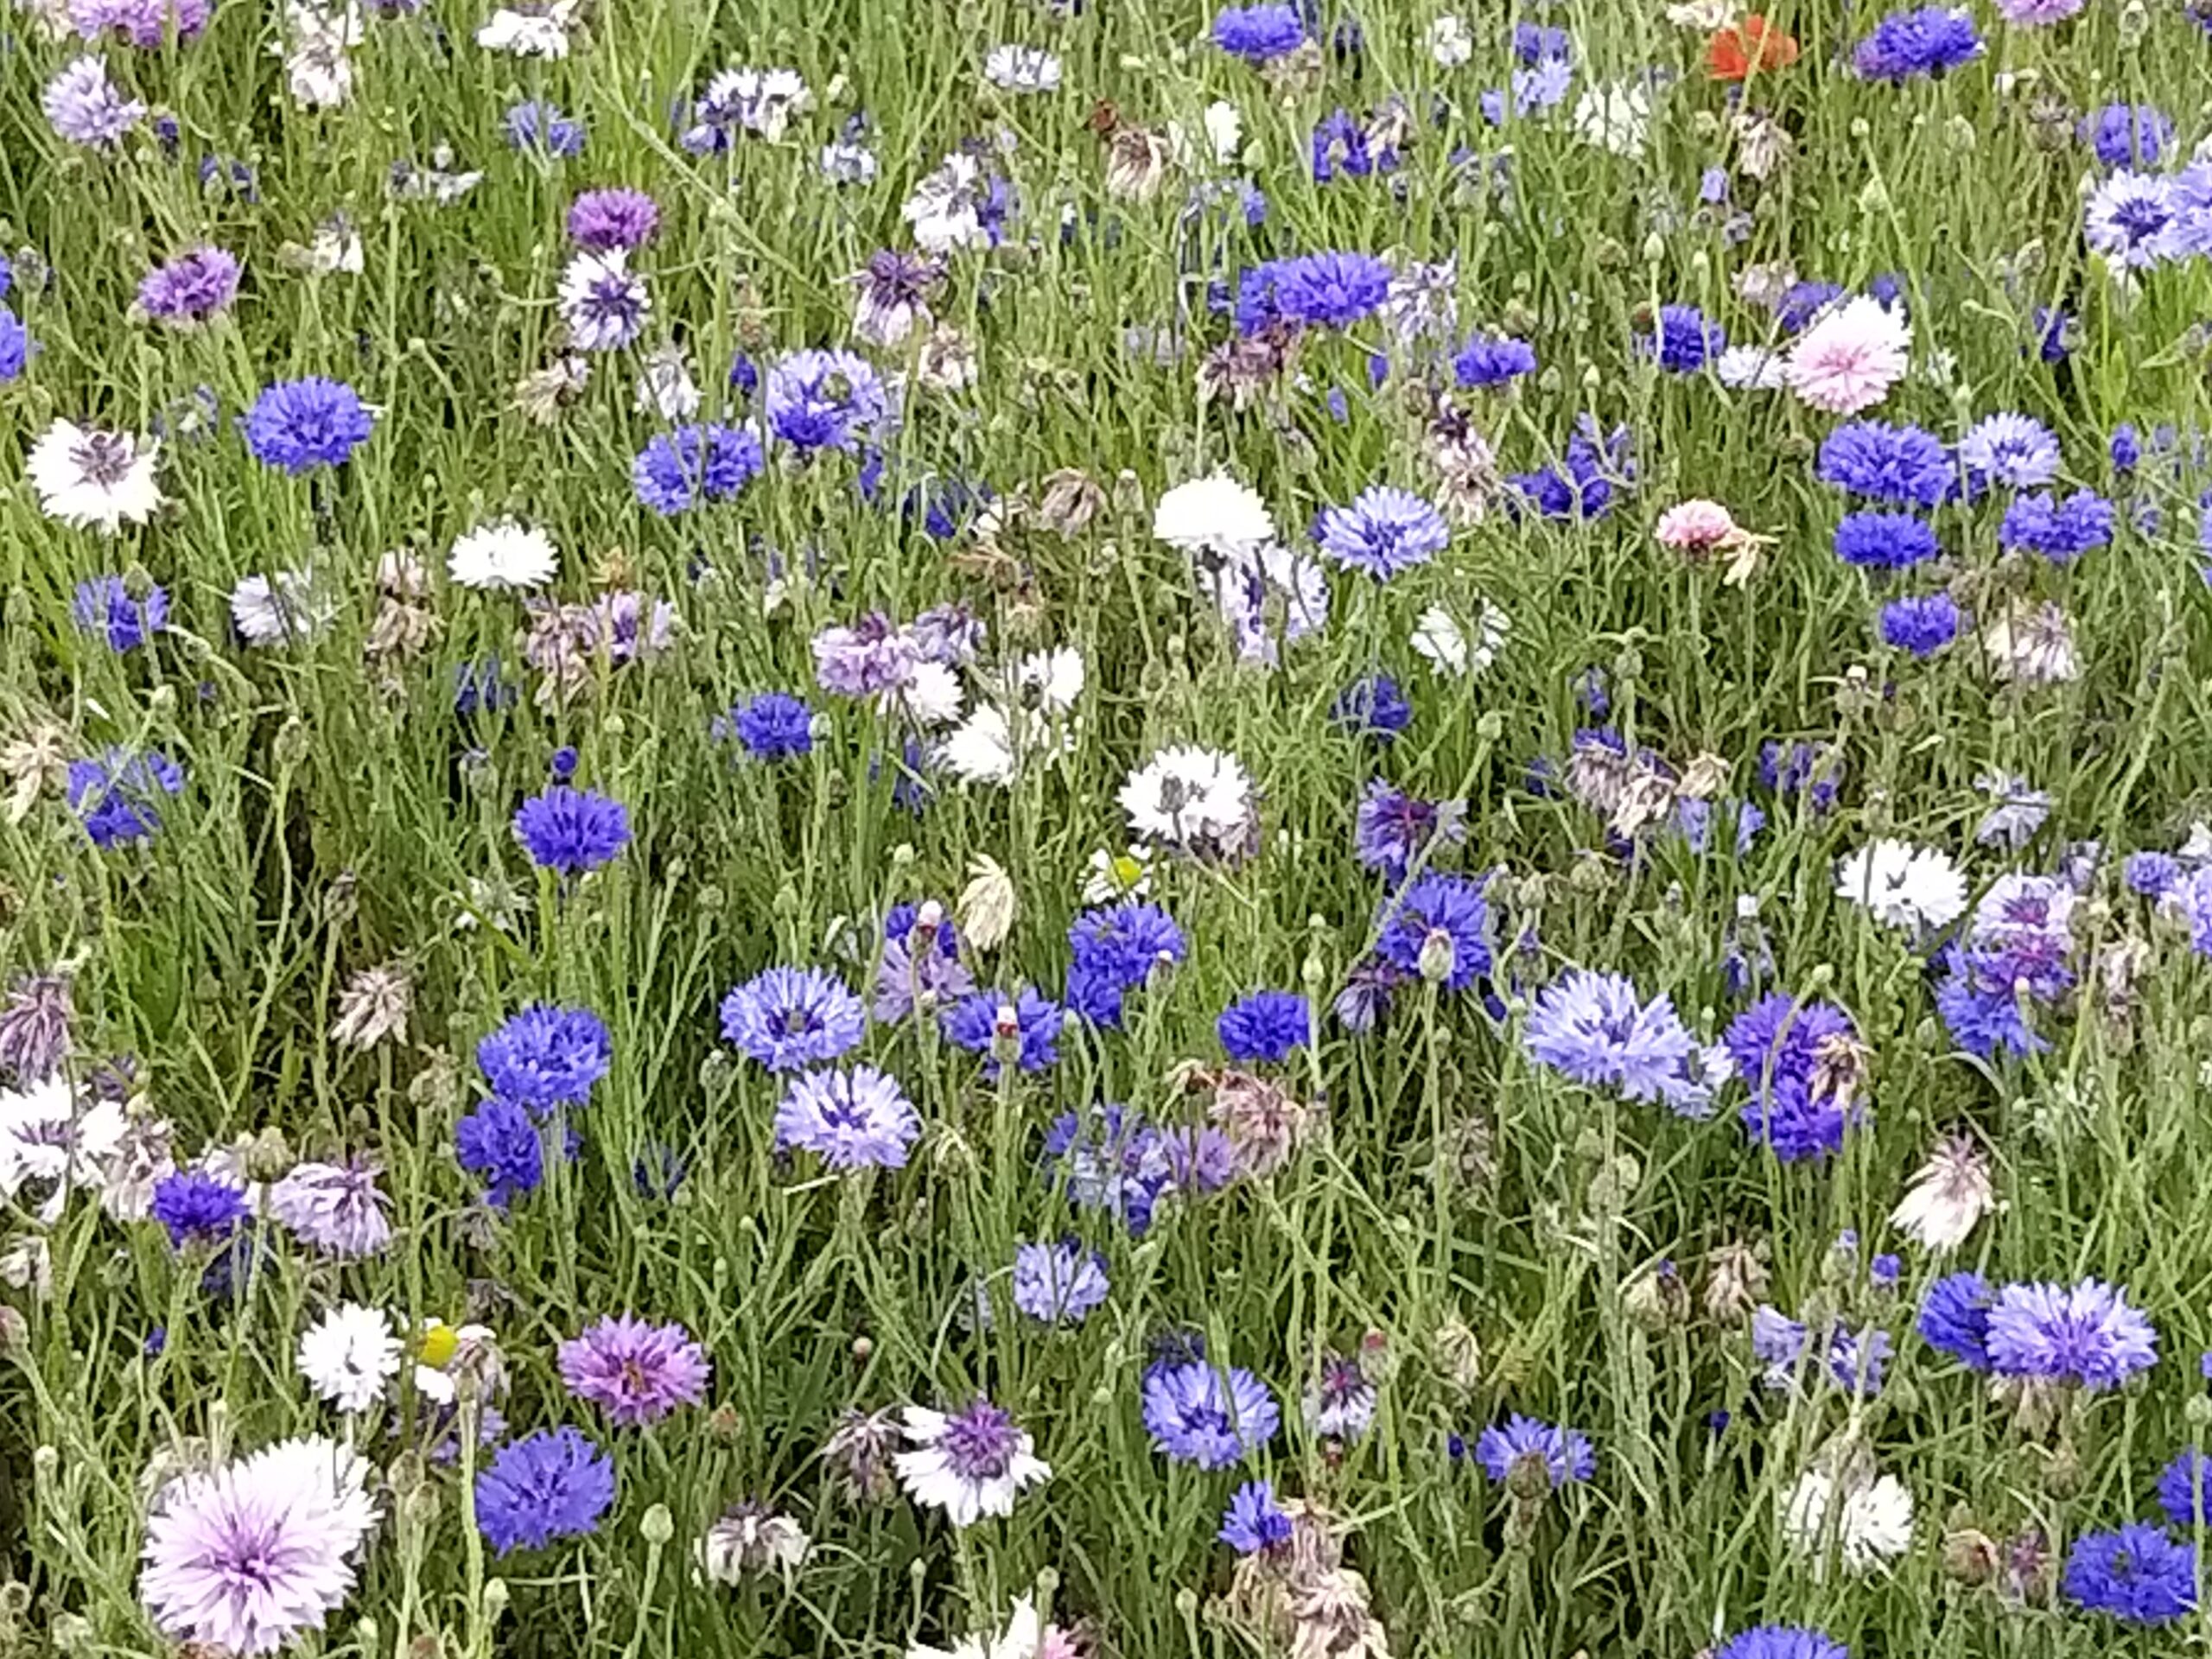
(2031, 643)
(1112, 877)
(92, 479)
(1051, 680)
(666, 387)
(319, 66)
(1449, 43)
(986, 904)
(1213, 514)
(1022, 69)
(1916, 888)
(335, 247)
(47, 1134)
(1616, 117)
(1868, 1521)
(274, 610)
(374, 1005)
(349, 1355)
(1022, 1638)
(1451, 649)
(1951, 1193)
(1225, 130)
(505, 556)
(981, 748)
(532, 31)
(750, 1537)
(1752, 368)
(971, 1463)
(1199, 800)
(946, 207)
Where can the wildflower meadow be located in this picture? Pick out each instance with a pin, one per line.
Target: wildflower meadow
(1091, 829)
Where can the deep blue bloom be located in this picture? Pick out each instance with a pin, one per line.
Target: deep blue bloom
(1339, 146)
(1930, 41)
(1443, 917)
(2053, 328)
(299, 425)
(1117, 949)
(118, 795)
(1254, 1521)
(546, 1057)
(1815, 770)
(2183, 1493)
(562, 764)
(1197, 1414)
(1560, 1453)
(818, 400)
(1372, 708)
(537, 125)
(1782, 1642)
(1954, 1319)
(2060, 531)
(1258, 33)
(2139, 1574)
(2128, 135)
(1492, 361)
(572, 830)
(499, 1143)
(788, 1017)
(1802, 302)
(478, 687)
(1885, 1269)
(1780, 1047)
(1594, 466)
(1683, 339)
(105, 608)
(2151, 874)
(1393, 828)
(1922, 625)
(703, 462)
(773, 726)
(196, 1207)
(15, 344)
(1902, 465)
(546, 1486)
(1265, 1025)
(1033, 1031)
(2125, 449)
(1884, 540)
(1980, 1008)
(1315, 289)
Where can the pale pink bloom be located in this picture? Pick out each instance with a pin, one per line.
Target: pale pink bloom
(1850, 358)
(1697, 525)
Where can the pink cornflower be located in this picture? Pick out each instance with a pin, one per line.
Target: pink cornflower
(1850, 358)
(1702, 528)
(638, 1373)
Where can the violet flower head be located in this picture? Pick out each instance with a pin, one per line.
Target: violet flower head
(1060, 1282)
(2087, 1336)
(615, 218)
(1385, 531)
(191, 289)
(339, 1209)
(1199, 1414)
(635, 1372)
(788, 1018)
(856, 1119)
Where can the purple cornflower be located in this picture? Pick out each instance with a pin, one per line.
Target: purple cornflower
(337, 1208)
(1596, 1029)
(546, 1057)
(1060, 1283)
(1437, 928)
(604, 302)
(85, 106)
(1266, 1026)
(1339, 1403)
(1684, 339)
(299, 425)
(856, 1119)
(1922, 625)
(106, 608)
(1802, 302)
(1903, 466)
(1026, 1029)
(1198, 1415)
(2060, 531)
(1372, 708)
(1486, 361)
(1851, 1361)
(1254, 1521)
(118, 795)
(1392, 828)
(1815, 769)
(773, 726)
(1981, 1008)
(1385, 531)
(635, 1372)
(499, 1143)
(537, 125)
(891, 295)
(1314, 290)
(191, 287)
(197, 1208)
(1258, 33)
(2153, 875)
(788, 1017)
(1796, 1059)
(920, 970)
(16, 346)
(1550, 1457)
(34, 1025)
(819, 400)
(572, 830)
(2139, 1574)
(1954, 1319)
(1594, 467)
(554, 1484)
(2088, 1335)
(2010, 448)
(615, 218)
(1884, 540)
(145, 23)
(1930, 41)
(706, 461)
(1339, 148)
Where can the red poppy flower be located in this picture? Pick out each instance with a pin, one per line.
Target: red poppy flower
(1753, 45)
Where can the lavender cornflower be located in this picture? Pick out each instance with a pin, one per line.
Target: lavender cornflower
(2127, 135)
(299, 425)
(1437, 928)
(1782, 1642)
(537, 125)
(572, 830)
(1259, 33)
(1198, 1415)
(920, 970)
(546, 1486)
(85, 106)
(2151, 876)
(615, 218)
(1530, 1456)
(34, 1025)
(1392, 828)
(547, 1057)
(706, 461)
(604, 302)
(499, 1142)
(190, 289)
(145, 23)
(2139, 1574)
(857, 1119)
(106, 607)
(2011, 448)
(1339, 1404)
(891, 295)
(1927, 42)
(788, 1018)
(117, 796)
(1254, 1523)
(635, 1372)
(1595, 1029)
(1027, 1028)
(1266, 1026)
(818, 400)
(1385, 531)
(1059, 1283)
(337, 1208)
(2088, 1335)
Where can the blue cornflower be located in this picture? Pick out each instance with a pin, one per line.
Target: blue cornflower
(1782, 1642)
(1554, 1456)
(563, 764)
(1028, 1027)
(1814, 769)
(1780, 1048)
(2125, 449)
(106, 608)
(1596, 1029)
(1109, 1157)
(2060, 531)
(1385, 530)
(1492, 361)
(1536, 43)
(478, 687)
(547, 1056)
(1440, 922)
(1930, 41)
(1884, 540)
(1196, 1414)
(787, 1018)
(1802, 302)
(118, 795)
(2184, 1492)
(554, 1484)
(1954, 1319)
(2151, 874)
(1258, 33)
(1339, 146)
(1684, 339)
(537, 125)
(572, 830)
(1254, 1521)
(773, 726)
(2139, 1574)
(299, 425)
(2012, 448)
(1848, 1360)
(2128, 135)
(703, 462)
(1980, 1008)
(499, 1142)
(818, 400)
(1372, 708)
(1593, 466)
(15, 344)
(1265, 1025)
(197, 1208)
(1327, 289)
(1923, 624)
(1902, 465)
(2088, 1335)
(1392, 828)
(1116, 948)
(1059, 1283)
